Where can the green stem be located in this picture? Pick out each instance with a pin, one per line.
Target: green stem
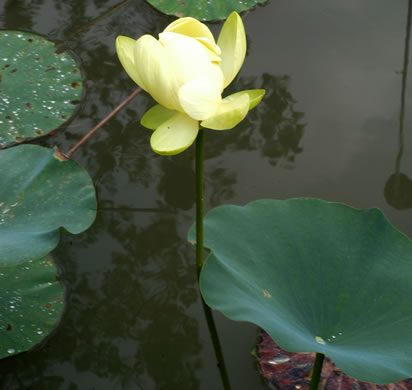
(199, 259)
(316, 371)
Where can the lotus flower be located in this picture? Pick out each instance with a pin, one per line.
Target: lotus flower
(185, 71)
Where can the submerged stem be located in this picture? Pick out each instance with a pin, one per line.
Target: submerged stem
(316, 371)
(103, 122)
(199, 259)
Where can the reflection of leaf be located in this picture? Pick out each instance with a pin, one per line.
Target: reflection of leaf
(39, 193)
(39, 87)
(273, 127)
(317, 276)
(203, 9)
(31, 302)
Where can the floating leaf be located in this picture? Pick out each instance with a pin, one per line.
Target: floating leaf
(39, 87)
(203, 9)
(318, 277)
(31, 302)
(39, 193)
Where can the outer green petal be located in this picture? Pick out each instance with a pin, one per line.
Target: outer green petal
(155, 116)
(191, 28)
(232, 42)
(229, 114)
(255, 96)
(175, 135)
(125, 49)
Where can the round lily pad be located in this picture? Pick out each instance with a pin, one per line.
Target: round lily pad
(31, 302)
(204, 10)
(318, 277)
(40, 192)
(39, 87)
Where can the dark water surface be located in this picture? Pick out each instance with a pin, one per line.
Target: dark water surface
(328, 127)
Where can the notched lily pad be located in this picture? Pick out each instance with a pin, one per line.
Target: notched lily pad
(318, 277)
(31, 302)
(40, 192)
(39, 87)
(204, 10)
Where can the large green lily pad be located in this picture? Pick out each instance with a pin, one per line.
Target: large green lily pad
(204, 10)
(39, 87)
(39, 193)
(318, 277)
(31, 302)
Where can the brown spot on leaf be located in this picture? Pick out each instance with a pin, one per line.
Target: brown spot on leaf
(13, 71)
(39, 132)
(9, 117)
(19, 139)
(75, 85)
(30, 40)
(74, 101)
(47, 305)
(29, 105)
(37, 58)
(75, 71)
(64, 116)
(179, 14)
(8, 327)
(266, 294)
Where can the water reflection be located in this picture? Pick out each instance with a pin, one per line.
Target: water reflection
(127, 321)
(274, 127)
(398, 188)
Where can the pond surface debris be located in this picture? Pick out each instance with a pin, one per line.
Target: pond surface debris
(292, 371)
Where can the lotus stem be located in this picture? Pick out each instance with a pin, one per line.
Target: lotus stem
(316, 371)
(103, 122)
(199, 259)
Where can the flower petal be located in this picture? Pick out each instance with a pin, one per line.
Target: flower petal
(152, 67)
(175, 135)
(228, 114)
(212, 49)
(191, 28)
(255, 96)
(155, 116)
(232, 42)
(200, 98)
(125, 51)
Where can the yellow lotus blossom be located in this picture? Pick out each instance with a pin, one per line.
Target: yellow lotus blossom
(185, 71)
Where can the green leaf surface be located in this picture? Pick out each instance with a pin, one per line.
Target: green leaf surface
(318, 277)
(204, 10)
(39, 87)
(39, 193)
(31, 302)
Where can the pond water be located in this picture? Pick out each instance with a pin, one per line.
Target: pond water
(329, 127)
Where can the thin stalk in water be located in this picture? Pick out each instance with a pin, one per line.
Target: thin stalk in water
(199, 258)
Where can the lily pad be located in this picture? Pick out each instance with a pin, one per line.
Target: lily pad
(31, 302)
(318, 277)
(39, 87)
(40, 192)
(204, 10)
